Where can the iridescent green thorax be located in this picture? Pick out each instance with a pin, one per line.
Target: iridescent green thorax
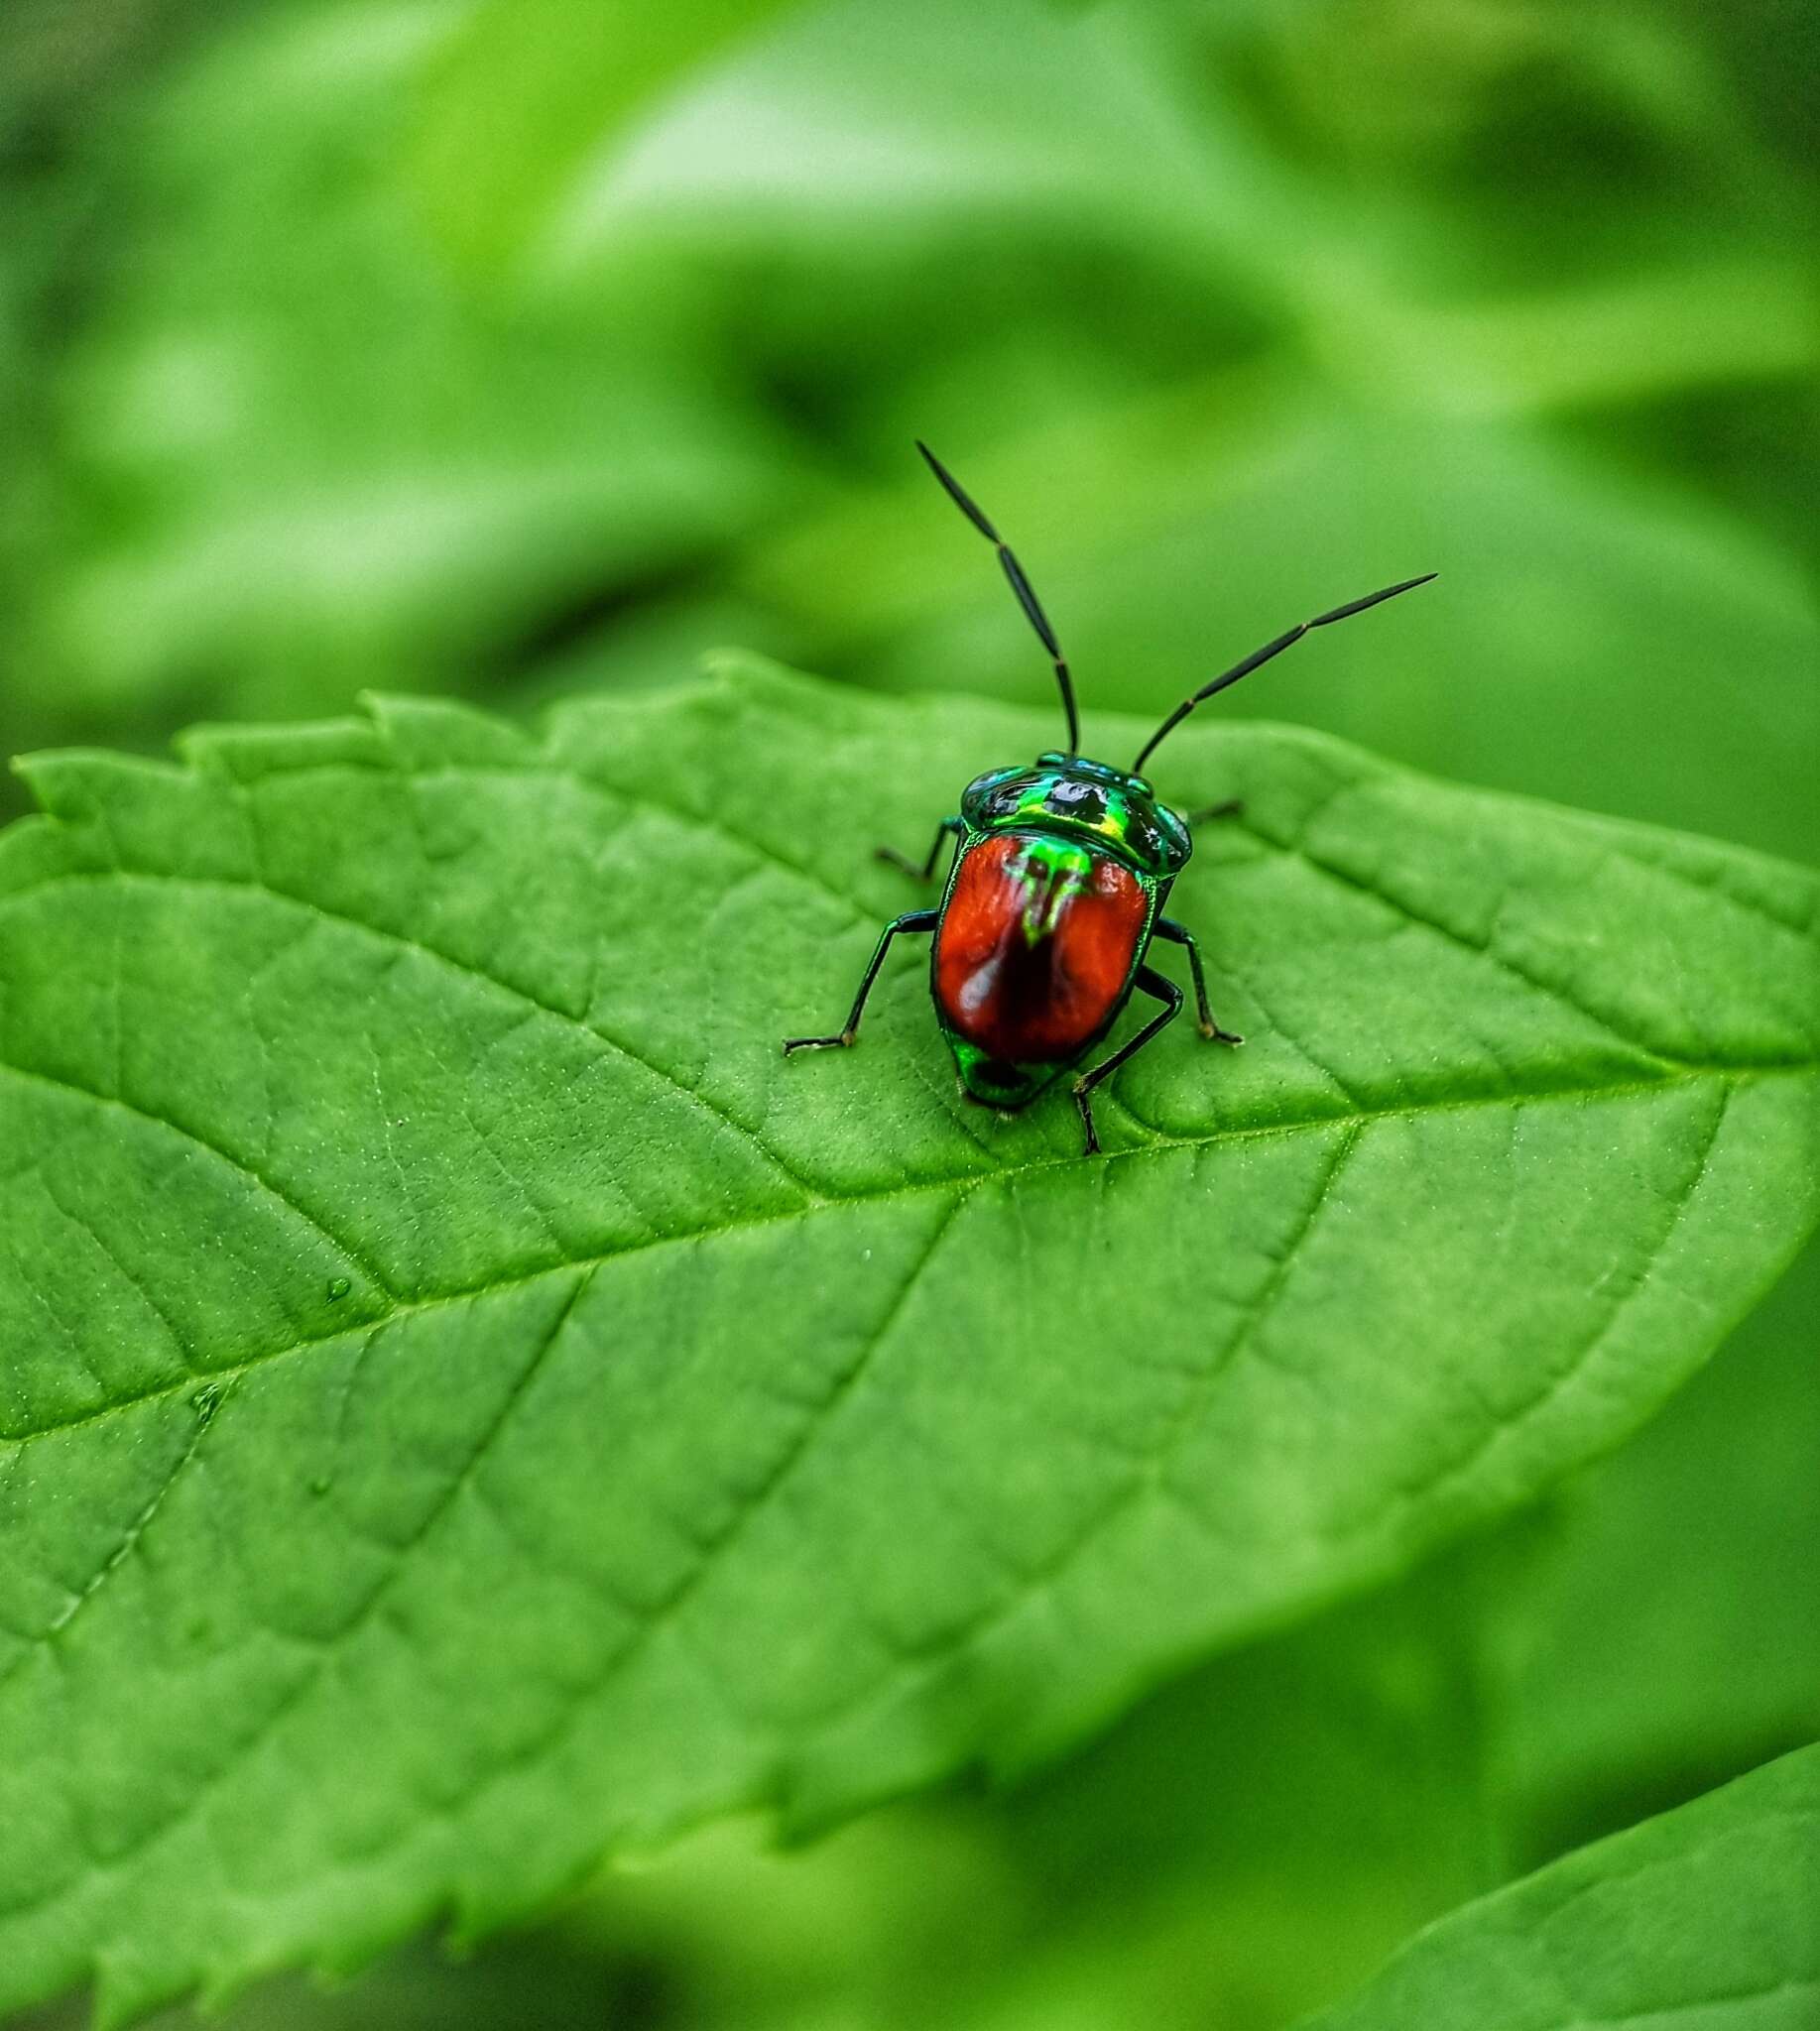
(1070, 796)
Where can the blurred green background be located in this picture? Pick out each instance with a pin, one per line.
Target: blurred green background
(507, 347)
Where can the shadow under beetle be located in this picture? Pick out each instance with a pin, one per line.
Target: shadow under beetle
(1056, 892)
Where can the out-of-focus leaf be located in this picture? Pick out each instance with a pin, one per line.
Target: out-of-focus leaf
(1181, 1872)
(293, 452)
(296, 459)
(1666, 1634)
(541, 1979)
(1119, 125)
(797, 1435)
(529, 90)
(1706, 1916)
(1590, 639)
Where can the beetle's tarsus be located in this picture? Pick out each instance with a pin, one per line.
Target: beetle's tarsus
(1081, 1101)
(1167, 927)
(910, 920)
(1233, 807)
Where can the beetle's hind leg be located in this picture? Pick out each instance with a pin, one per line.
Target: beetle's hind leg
(925, 871)
(1164, 991)
(1180, 934)
(912, 922)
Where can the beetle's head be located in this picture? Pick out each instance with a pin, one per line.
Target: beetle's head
(1081, 800)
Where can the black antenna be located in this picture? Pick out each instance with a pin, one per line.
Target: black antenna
(1027, 597)
(1271, 649)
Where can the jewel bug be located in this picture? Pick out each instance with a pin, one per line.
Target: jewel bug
(1055, 891)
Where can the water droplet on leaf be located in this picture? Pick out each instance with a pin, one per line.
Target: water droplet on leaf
(339, 1286)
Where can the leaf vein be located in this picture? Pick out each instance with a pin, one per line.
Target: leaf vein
(122, 1551)
(1485, 950)
(661, 1615)
(1563, 1378)
(1159, 1146)
(405, 940)
(363, 1612)
(667, 1611)
(342, 1247)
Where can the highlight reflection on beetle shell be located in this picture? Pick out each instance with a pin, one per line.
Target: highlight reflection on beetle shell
(1035, 946)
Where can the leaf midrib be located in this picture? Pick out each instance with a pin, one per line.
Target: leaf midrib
(1295, 847)
(1160, 1143)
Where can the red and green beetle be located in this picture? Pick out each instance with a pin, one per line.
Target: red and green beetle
(1056, 892)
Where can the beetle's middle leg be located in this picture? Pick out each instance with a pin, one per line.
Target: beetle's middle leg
(1180, 934)
(1164, 991)
(926, 870)
(910, 921)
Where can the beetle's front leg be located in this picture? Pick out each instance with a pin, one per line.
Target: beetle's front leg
(911, 920)
(1180, 934)
(890, 854)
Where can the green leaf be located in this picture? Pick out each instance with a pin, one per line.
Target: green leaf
(340, 466)
(476, 1406)
(1617, 1696)
(1179, 1872)
(530, 91)
(1706, 1916)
